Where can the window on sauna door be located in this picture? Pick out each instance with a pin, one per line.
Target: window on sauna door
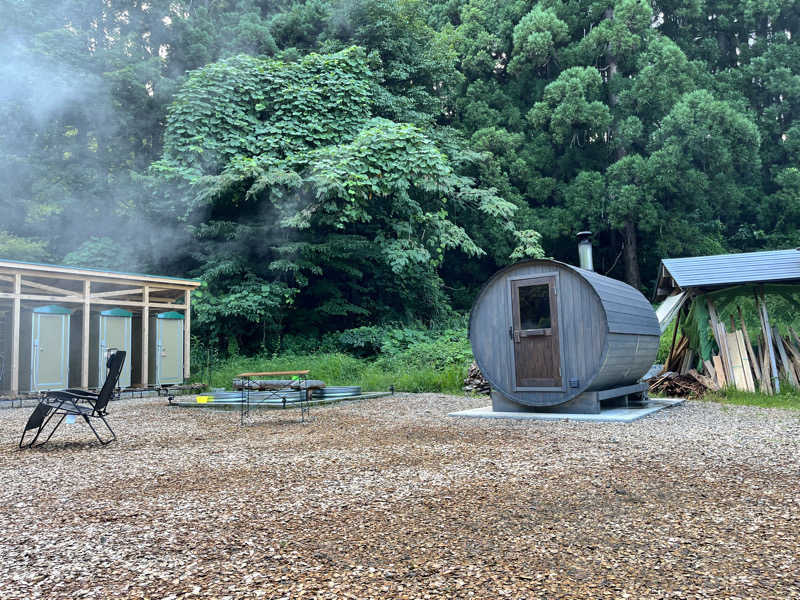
(534, 306)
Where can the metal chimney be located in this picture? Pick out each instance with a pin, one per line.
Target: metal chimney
(585, 250)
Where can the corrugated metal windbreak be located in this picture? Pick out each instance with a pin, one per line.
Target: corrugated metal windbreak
(771, 265)
(627, 310)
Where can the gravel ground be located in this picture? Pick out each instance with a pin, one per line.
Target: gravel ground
(390, 498)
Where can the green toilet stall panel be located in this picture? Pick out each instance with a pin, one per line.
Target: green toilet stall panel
(49, 366)
(166, 348)
(112, 330)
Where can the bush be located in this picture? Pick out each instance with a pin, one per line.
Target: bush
(374, 357)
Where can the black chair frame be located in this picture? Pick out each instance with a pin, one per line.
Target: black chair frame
(78, 403)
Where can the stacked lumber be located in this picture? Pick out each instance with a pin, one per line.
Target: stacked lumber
(744, 363)
(475, 381)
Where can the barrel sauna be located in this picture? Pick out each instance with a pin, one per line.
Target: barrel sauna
(549, 336)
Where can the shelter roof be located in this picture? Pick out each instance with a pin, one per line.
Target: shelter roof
(95, 273)
(721, 270)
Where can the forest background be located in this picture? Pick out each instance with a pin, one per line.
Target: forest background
(344, 175)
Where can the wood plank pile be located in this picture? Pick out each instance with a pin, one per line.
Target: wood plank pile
(475, 381)
(742, 363)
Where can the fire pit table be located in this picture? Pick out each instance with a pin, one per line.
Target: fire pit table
(277, 388)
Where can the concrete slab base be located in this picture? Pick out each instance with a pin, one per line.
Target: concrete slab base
(608, 415)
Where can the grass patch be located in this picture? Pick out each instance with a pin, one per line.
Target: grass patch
(788, 398)
(405, 373)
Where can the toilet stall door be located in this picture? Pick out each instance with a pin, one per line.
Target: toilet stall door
(50, 351)
(115, 334)
(169, 350)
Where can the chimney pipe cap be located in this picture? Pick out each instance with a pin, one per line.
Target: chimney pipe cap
(583, 236)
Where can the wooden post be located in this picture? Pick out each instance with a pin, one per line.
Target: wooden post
(15, 333)
(87, 308)
(750, 353)
(187, 335)
(674, 336)
(776, 385)
(145, 334)
(720, 335)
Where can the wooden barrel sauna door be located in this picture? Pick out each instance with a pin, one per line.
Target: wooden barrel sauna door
(535, 333)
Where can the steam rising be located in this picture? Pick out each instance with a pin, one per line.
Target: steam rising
(65, 178)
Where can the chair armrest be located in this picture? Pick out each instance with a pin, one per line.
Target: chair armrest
(75, 395)
(83, 394)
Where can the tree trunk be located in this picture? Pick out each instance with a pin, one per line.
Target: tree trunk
(630, 250)
(630, 256)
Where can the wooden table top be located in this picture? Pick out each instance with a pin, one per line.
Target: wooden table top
(264, 373)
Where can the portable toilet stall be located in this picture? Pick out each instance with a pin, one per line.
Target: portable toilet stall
(549, 336)
(45, 349)
(166, 348)
(111, 330)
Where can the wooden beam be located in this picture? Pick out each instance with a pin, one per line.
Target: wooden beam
(187, 335)
(674, 337)
(48, 288)
(137, 304)
(168, 299)
(776, 385)
(128, 292)
(145, 335)
(15, 333)
(749, 347)
(21, 296)
(87, 308)
(720, 335)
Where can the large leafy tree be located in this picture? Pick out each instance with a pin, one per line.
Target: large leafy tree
(292, 185)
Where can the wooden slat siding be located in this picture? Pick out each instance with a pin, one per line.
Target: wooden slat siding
(628, 311)
(582, 337)
(491, 344)
(627, 358)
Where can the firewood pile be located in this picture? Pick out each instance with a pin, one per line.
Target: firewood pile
(743, 363)
(689, 385)
(475, 382)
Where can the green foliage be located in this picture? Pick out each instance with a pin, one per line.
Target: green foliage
(101, 253)
(411, 360)
(570, 109)
(19, 248)
(535, 38)
(248, 107)
(789, 398)
(289, 152)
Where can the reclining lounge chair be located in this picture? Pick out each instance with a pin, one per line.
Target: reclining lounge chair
(78, 403)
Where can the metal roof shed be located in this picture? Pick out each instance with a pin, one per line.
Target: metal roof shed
(723, 270)
(35, 284)
(712, 287)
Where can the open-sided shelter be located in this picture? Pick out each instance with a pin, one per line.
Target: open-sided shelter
(82, 301)
(724, 329)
